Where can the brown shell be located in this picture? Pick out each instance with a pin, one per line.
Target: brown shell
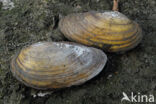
(45, 65)
(110, 30)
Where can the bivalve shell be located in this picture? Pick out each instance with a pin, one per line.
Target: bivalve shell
(109, 30)
(45, 65)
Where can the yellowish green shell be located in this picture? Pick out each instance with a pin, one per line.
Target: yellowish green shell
(110, 30)
(45, 65)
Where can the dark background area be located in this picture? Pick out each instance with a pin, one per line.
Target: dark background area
(31, 21)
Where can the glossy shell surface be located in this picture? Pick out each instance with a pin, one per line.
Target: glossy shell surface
(109, 30)
(45, 65)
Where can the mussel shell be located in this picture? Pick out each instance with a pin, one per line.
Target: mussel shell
(109, 30)
(45, 65)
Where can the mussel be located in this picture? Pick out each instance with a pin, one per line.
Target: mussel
(46, 65)
(109, 30)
